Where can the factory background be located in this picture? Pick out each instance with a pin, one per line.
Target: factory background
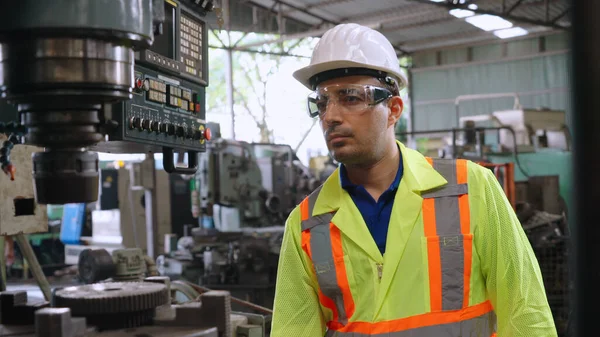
(473, 66)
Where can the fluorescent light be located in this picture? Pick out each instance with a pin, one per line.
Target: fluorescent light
(437, 0)
(510, 32)
(461, 13)
(473, 7)
(488, 22)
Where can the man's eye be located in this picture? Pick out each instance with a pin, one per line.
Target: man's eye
(351, 99)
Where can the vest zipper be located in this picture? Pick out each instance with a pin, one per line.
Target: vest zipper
(379, 270)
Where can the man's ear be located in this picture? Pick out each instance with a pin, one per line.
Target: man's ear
(396, 106)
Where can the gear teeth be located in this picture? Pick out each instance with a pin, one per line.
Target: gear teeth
(114, 304)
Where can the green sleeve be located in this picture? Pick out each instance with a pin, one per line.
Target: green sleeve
(513, 278)
(296, 311)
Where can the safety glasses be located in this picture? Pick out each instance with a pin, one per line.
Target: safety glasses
(349, 98)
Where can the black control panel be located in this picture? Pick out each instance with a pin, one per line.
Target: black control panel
(167, 111)
(164, 112)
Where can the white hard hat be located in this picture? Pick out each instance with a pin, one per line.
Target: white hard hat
(351, 49)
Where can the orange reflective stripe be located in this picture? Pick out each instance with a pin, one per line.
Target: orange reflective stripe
(305, 243)
(340, 269)
(429, 160)
(465, 226)
(433, 255)
(330, 304)
(304, 214)
(418, 321)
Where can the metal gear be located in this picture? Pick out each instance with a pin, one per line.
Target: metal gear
(114, 305)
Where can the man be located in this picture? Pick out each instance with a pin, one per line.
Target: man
(393, 243)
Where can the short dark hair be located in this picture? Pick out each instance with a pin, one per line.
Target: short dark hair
(390, 85)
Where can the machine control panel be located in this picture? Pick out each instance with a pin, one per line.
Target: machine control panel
(164, 112)
(167, 110)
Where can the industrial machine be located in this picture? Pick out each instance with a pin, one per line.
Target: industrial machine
(118, 298)
(249, 185)
(245, 193)
(121, 76)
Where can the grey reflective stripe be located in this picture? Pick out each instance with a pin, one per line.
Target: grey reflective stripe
(322, 254)
(447, 191)
(482, 326)
(322, 257)
(447, 220)
(317, 220)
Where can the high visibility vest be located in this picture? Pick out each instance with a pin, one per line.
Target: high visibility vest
(446, 221)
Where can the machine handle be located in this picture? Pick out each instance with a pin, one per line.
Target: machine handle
(169, 166)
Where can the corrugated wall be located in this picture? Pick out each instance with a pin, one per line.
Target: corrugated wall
(536, 68)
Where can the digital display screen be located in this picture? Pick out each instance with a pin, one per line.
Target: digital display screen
(164, 44)
(191, 45)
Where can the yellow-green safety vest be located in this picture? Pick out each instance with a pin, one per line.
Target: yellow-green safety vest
(441, 275)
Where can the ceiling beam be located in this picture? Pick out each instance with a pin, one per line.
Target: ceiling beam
(450, 6)
(561, 15)
(513, 7)
(374, 24)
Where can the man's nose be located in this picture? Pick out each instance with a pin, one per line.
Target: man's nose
(332, 114)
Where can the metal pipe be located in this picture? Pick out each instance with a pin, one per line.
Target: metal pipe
(517, 103)
(34, 264)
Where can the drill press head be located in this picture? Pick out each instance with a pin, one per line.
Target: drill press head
(62, 62)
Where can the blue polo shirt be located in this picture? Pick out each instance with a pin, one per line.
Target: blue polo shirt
(375, 213)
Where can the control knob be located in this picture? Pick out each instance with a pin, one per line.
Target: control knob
(180, 131)
(189, 134)
(155, 126)
(162, 127)
(170, 129)
(134, 123)
(146, 124)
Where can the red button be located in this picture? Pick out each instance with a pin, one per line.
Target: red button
(207, 134)
(139, 83)
(197, 107)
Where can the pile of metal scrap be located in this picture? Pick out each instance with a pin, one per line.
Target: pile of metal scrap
(549, 237)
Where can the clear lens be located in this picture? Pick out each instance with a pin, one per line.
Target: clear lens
(349, 98)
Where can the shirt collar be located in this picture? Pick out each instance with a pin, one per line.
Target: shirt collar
(349, 186)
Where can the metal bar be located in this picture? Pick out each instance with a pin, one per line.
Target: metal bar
(247, 50)
(561, 15)
(502, 15)
(513, 7)
(229, 67)
(320, 4)
(34, 264)
(306, 135)
(273, 11)
(213, 31)
(150, 205)
(240, 39)
(2, 263)
(547, 10)
(586, 123)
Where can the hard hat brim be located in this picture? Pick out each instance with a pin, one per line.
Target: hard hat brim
(304, 75)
